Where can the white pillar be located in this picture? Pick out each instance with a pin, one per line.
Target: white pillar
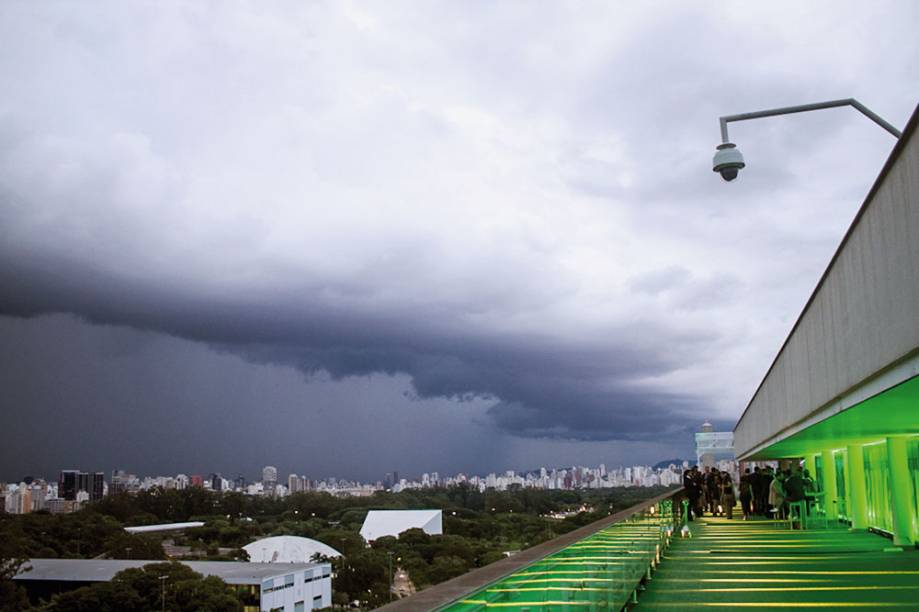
(855, 487)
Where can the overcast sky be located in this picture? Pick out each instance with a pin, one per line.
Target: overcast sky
(347, 238)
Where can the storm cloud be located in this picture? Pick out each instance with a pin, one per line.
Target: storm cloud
(500, 222)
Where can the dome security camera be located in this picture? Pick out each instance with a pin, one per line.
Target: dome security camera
(728, 161)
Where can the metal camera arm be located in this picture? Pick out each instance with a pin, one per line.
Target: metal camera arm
(803, 108)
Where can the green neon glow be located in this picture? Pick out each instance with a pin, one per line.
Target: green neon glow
(787, 589)
(790, 604)
(891, 413)
(874, 447)
(598, 572)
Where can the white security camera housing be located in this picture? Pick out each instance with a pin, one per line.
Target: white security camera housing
(728, 161)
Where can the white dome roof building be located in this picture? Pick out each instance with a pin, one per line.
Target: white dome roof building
(287, 549)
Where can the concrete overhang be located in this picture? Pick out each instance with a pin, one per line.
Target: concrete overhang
(894, 412)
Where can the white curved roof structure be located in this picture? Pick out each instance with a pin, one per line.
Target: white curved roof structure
(163, 527)
(287, 549)
(381, 523)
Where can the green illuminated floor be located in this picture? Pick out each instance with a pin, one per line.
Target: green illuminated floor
(738, 565)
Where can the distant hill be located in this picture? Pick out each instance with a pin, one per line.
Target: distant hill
(662, 464)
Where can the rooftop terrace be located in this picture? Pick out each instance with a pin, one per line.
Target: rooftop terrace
(725, 564)
(759, 564)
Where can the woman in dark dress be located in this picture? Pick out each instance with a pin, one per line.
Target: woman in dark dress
(727, 495)
(746, 494)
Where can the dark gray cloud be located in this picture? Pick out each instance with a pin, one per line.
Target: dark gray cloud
(102, 396)
(547, 387)
(510, 212)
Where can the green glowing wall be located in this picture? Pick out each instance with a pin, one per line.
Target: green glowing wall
(877, 476)
(884, 430)
(913, 453)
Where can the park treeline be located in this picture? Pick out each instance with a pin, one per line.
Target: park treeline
(479, 528)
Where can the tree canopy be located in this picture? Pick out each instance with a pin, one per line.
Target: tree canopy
(171, 585)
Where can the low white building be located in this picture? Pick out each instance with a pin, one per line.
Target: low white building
(380, 523)
(264, 587)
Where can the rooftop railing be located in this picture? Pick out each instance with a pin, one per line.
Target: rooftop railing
(600, 566)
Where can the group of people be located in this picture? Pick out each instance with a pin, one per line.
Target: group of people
(764, 491)
(712, 491)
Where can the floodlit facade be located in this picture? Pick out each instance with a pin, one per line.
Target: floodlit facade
(380, 523)
(288, 549)
(262, 587)
(843, 392)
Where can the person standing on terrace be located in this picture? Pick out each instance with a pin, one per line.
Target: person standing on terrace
(777, 494)
(761, 489)
(699, 482)
(727, 494)
(712, 490)
(795, 487)
(746, 493)
(689, 488)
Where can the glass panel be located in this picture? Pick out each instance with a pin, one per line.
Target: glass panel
(599, 572)
(840, 461)
(878, 487)
(912, 455)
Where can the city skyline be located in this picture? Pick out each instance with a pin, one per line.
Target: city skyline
(74, 488)
(446, 235)
(282, 475)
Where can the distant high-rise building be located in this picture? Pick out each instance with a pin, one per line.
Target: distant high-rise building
(39, 494)
(71, 482)
(93, 483)
(122, 482)
(269, 476)
(68, 484)
(240, 482)
(119, 481)
(196, 480)
(22, 500)
(216, 482)
(98, 490)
